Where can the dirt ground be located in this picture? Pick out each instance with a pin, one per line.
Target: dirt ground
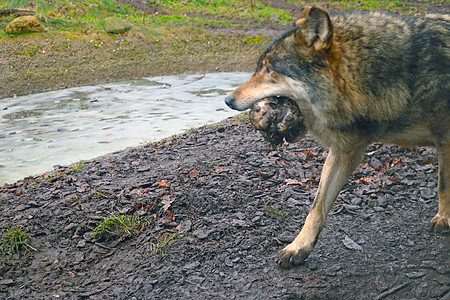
(229, 203)
(237, 205)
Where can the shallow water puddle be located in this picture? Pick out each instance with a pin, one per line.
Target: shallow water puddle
(62, 127)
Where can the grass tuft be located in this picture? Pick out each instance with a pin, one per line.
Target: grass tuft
(119, 226)
(78, 166)
(276, 212)
(14, 240)
(162, 245)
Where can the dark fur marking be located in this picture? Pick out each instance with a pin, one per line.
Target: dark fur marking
(442, 186)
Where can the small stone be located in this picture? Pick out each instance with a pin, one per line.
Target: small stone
(81, 244)
(191, 266)
(79, 256)
(414, 275)
(200, 233)
(70, 226)
(88, 236)
(378, 208)
(286, 237)
(64, 243)
(185, 226)
(7, 282)
(356, 201)
(350, 244)
(376, 163)
(351, 207)
(381, 201)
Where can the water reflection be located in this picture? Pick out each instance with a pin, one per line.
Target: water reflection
(62, 127)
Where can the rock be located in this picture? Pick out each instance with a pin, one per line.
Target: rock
(414, 275)
(376, 163)
(7, 282)
(378, 208)
(286, 237)
(23, 25)
(114, 26)
(350, 244)
(201, 233)
(79, 256)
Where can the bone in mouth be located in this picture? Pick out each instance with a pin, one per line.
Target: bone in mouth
(277, 118)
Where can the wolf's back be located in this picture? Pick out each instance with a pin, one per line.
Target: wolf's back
(399, 62)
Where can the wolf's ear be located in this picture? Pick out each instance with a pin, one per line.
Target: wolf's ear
(315, 28)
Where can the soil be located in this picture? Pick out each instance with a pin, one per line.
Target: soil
(229, 203)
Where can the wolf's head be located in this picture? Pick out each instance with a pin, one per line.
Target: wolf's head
(286, 67)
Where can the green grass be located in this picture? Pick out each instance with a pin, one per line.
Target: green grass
(228, 8)
(180, 20)
(369, 4)
(78, 166)
(119, 226)
(161, 247)
(253, 41)
(190, 130)
(359, 4)
(87, 10)
(74, 15)
(14, 240)
(88, 15)
(242, 118)
(276, 212)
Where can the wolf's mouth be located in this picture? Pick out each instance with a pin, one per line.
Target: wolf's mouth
(278, 118)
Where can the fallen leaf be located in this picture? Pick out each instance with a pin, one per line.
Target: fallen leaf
(144, 209)
(162, 183)
(170, 215)
(308, 153)
(396, 162)
(166, 203)
(218, 169)
(363, 181)
(292, 182)
(193, 173)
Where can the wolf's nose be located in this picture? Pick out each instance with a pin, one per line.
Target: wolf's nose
(230, 101)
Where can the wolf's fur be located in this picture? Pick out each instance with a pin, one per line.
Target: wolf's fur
(358, 79)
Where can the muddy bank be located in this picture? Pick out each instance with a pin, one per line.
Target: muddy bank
(40, 65)
(233, 205)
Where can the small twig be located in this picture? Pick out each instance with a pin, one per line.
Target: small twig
(392, 290)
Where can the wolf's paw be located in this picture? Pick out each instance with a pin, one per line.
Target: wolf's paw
(439, 224)
(288, 258)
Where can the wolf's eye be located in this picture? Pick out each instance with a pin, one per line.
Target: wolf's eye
(268, 70)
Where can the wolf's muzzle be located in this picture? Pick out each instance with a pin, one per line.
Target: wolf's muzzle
(230, 101)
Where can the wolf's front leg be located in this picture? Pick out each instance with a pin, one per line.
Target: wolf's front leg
(441, 221)
(338, 166)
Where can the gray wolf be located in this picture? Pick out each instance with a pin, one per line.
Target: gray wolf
(357, 79)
